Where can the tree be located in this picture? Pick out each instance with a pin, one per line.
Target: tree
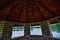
(55, 27)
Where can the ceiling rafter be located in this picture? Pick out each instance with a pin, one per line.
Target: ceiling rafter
(11, 12)
(50, 12)
(21, 10)
(6, 4)
(33, 13)
(50, 3)
(21, 13)
(27, 9)
(38, 10)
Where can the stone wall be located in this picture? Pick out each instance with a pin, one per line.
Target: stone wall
(35, 38)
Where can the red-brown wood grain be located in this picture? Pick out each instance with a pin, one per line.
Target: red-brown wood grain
(29, 10)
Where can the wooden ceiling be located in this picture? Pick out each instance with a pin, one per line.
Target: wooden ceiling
(27, 11)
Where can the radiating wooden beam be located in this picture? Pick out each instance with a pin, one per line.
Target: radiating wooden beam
(21, 10)
(50, 12)
(38, 10)
(6, 4)
(50, 3)
(11, 12)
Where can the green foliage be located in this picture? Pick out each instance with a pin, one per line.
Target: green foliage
(17, 28)
(34, 27)
(55, 27)
(21, 28)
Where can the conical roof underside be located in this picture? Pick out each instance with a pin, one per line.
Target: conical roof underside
(29, 10)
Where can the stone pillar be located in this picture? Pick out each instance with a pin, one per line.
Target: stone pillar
(27, 30)
(7, 31)
(1, 28)
(45, 28)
